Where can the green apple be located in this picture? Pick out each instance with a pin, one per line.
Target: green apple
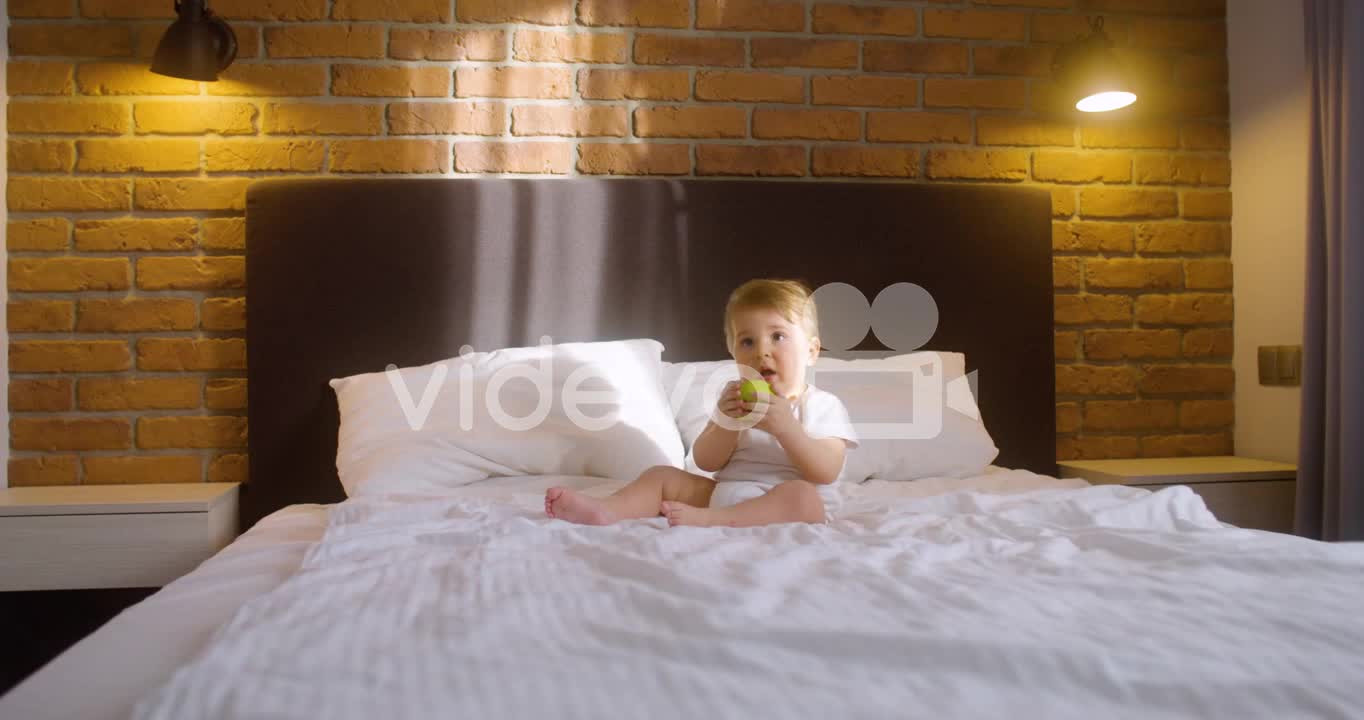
(749, 389)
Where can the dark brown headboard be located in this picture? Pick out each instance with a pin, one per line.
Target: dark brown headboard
(346, 276)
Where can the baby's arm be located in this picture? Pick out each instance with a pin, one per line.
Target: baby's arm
(715, 445)
(819, 460)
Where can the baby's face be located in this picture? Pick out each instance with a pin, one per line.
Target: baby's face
(779, 350)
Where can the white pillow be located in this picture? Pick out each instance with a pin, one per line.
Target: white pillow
(876, 392)
(600, 410)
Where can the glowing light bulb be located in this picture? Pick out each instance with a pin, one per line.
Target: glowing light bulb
(1105, 101)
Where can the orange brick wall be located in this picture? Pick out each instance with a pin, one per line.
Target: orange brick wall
(126, 302)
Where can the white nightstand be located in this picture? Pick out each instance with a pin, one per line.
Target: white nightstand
(111, 536)
(1240, 491)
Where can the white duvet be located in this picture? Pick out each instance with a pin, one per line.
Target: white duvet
(1099, 602)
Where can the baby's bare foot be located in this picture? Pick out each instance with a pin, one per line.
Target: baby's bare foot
(684, 514)
(565, 504)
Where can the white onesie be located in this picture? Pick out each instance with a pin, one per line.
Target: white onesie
(759, 463)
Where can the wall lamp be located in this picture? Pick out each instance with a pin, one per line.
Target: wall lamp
(197, 46)
(1090, 74)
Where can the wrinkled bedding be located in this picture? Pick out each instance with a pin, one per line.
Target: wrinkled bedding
(1083, 602)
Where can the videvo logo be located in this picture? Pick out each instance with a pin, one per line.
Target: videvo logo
(893, 394)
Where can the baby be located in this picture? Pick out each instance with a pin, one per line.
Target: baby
(781, 468)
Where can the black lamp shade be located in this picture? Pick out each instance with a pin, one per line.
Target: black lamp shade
(1092, 76)
(197, 46)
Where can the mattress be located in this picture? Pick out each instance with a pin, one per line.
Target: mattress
(1009, 592)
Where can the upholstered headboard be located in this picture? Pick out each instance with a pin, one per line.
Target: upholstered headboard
(347, 276)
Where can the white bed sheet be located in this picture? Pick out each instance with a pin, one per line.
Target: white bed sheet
(103, 676)
(134, 655)
(1096, 602)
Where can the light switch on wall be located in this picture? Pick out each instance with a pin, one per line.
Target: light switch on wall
(1280, 364)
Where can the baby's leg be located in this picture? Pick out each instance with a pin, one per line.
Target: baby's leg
(640, 499)
(793, 501)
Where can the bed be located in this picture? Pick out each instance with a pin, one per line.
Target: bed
(1008, 591)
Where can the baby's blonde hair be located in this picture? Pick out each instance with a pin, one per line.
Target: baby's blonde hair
(792, 299)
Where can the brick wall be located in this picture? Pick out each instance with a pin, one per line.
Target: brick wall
(126, 303)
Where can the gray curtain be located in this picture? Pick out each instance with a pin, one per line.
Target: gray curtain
(1331, 459)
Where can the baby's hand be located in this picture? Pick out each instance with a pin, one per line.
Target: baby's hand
(730, 404)
(775, 415)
